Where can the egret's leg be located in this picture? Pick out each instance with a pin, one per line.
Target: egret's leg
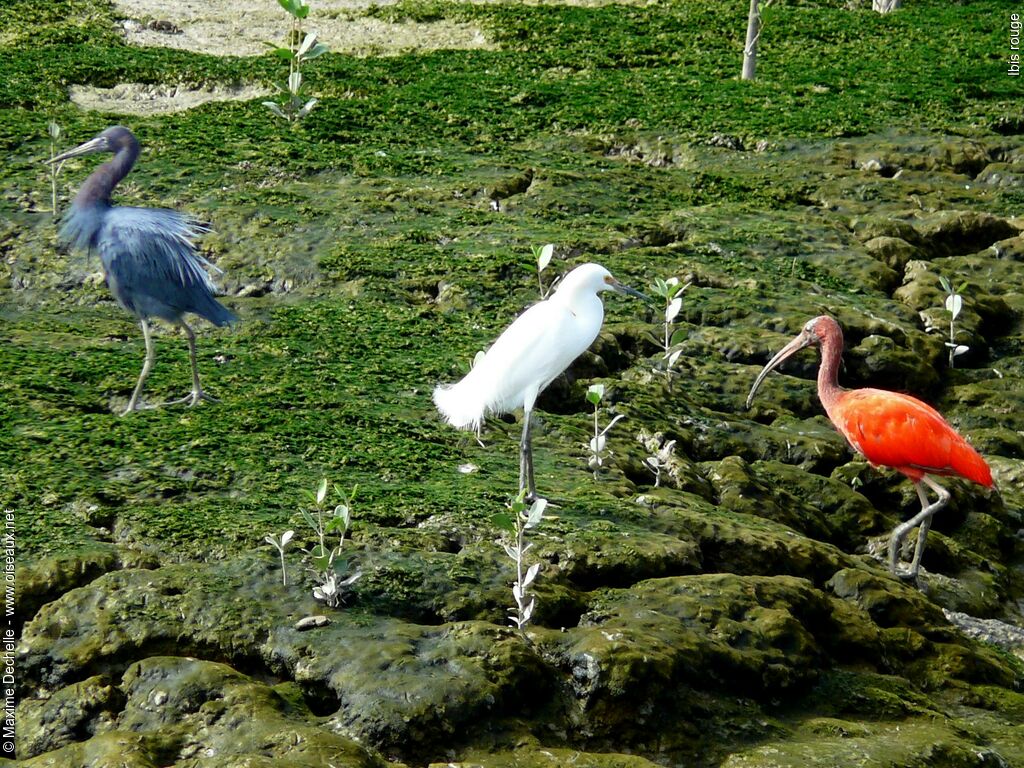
(197, 392)
(526, 480)
(147, 366)
(922, 518)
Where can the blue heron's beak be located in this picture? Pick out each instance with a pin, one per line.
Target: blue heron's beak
(99, 144)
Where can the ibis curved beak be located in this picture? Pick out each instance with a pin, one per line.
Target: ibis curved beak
(99, 144)
(620, 288)
(803, 340)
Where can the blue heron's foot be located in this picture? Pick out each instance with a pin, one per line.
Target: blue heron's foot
(193, 398)
(135, 405)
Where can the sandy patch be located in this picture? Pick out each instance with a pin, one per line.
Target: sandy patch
(145, 99)
(240, 27)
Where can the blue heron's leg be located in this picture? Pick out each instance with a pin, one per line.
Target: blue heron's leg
(133, 402)
(197, 392)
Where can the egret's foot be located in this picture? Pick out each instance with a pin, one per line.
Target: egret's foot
(532, 497)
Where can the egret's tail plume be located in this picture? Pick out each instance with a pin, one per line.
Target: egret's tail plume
(459, 407)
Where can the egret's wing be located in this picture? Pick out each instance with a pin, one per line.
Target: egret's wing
(538, 346)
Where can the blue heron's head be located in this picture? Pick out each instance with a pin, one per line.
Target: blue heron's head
(113, 139)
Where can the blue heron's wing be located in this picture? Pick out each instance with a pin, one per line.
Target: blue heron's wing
(81, 225)
(152, 265)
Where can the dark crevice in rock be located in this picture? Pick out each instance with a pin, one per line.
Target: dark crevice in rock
(321, 699)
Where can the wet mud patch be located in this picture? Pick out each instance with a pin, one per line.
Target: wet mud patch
(225, 28)
(150, 99)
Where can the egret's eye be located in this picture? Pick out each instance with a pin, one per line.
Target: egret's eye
(609, 279)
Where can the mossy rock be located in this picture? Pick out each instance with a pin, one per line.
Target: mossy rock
(894, 252)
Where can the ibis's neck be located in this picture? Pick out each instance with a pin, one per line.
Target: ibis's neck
(828, 372)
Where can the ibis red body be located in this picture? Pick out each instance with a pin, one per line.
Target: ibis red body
(889, 429)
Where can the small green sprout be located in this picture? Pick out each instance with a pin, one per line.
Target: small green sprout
(954, 304)
(325, 561)
(517, 521)
(659, 460)
(300, 49)
(54, 131)
(542, 256)
(279, 545)
(671, 291)
(595, 393)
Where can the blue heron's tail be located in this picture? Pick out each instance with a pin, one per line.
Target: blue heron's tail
(215, 312)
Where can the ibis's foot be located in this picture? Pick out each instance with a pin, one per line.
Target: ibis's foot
(906, 576)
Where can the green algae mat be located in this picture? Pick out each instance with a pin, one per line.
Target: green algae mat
(726, 604)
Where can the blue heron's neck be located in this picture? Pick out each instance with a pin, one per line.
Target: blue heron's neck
(101, 182)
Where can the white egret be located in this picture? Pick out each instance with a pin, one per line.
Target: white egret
(531, 352)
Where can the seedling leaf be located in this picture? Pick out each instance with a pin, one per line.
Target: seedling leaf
(531, 574)
(503, 521)
(673, 309)
(307, 43)
(316, 51)
(545, 256)
(954, 303)
(536, 513)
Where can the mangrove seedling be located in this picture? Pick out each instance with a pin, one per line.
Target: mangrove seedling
(660, 459)
(300, 49)
(517, 524)
(542, 257)
(279, 545)
(954, 304)
(325, 562)
(671, 292)
(595, 393)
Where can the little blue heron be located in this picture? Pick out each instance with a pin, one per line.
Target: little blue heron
(889, 429)
(149, 260)
(528, 355)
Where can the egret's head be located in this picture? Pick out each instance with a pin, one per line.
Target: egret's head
(593, 278)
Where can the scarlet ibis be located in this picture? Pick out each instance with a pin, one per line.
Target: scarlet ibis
(528, 355)
(149, 260)
(890, 430)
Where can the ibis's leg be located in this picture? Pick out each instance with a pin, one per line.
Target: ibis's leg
(197, 392)
(922, 518)
(147, 366)
(526, 480)
(926, 523)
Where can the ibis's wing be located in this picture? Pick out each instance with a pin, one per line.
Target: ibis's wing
(900, 431)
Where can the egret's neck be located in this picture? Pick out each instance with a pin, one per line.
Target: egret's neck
(580, 302)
